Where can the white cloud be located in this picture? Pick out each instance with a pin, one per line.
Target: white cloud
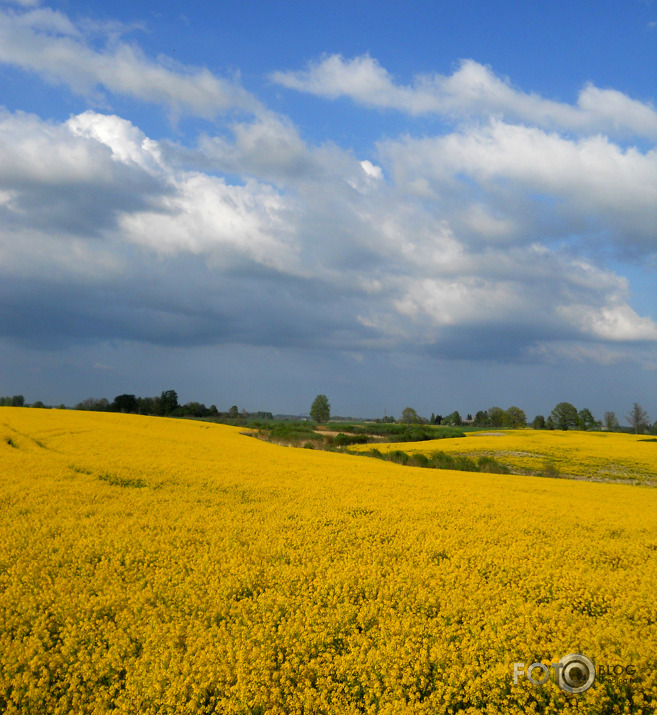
(533, 181)
(371, 170)
(472, 90)
(127, 143)
(315, 245)
(228, 224)
(49, 43)
(615, 323)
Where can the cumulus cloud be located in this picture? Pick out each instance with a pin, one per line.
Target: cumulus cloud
(532, 182)
(48, 43)
(472, 90)
(57, 180)
(482, 242)
(313, 247)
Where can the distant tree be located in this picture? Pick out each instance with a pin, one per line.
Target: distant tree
(38, 403)
(637, 418)
(549, 423)
(586, 420)
(409, 416)
(481, 419)
(168, 402)
(516, 418)
(233, 412)
(611, 421)
(149, 406)
(453, 419)
(497, 417)
(15, 401)
(320, 410)
(193, 409)
(432, 419)
(124, 403)
(539, 422)
(438, 419)
(93, 403)
(565, 416)
(469, 419)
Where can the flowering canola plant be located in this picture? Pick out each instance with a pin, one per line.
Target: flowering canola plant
(604, 456)
(153, 565)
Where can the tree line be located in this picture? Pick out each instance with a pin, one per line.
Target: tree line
(166, 405)
(564, 416)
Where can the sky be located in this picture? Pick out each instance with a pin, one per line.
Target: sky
(444, 205)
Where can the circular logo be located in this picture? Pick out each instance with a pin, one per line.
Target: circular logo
(576, 673)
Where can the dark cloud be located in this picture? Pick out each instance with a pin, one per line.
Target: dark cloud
(470, 245)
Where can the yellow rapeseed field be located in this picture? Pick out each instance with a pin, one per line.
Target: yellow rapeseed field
(151, 565)
(603, 456)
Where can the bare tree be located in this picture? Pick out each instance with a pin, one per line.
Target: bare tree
(638, 418)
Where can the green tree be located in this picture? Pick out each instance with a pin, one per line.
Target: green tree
(611, 421)
(539, 422)
(149, 406)
(124, 403)
(638, 418)
(453, 419)
(168, 401)
(94, 404)
(586, 420)
(516, 418)
(320, 410)
(233, 412)
(497, 417)
(409, 416)
(481, 419)
(565, 416)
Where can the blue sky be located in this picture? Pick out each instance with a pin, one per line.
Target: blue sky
(447, 205)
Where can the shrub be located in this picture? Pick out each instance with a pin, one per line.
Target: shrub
(418, 460)
(464, 464)
(441, 460)
(376, 454)
(398, 456)
(550, 470)
(291, 432)
(491, 465)
(342, 440)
